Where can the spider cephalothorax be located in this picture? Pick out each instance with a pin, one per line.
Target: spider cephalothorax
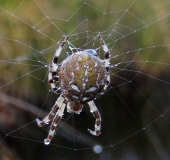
(82, 77)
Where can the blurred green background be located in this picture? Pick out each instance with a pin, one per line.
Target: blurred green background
(138, 95)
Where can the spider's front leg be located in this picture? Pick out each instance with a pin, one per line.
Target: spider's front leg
(52, 113)
(52, 76)
(96, 114)
(107, 61)
(55, 115)
(54, 124)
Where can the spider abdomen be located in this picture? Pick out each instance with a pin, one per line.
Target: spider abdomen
(82, 77)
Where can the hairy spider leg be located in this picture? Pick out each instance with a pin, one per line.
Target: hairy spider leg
(107, 61)
(52, 75)
(52, 113)
(96, 114)
(54, 124)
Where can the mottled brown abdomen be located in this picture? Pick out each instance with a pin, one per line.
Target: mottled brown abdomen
(82, 77)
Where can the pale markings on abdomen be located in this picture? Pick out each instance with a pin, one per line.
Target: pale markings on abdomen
(84, 85)
(86, 72)
(75, 97)
(75, 87)
(91, 89)
(85, 98)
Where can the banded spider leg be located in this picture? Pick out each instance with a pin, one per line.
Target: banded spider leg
(58, 108)
(91, 104)
(52, 76)
(96, 114)
(107, 61)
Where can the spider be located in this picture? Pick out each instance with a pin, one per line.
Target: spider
(82, 77)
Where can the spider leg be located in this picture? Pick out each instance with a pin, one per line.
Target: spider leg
(107, 61)
(54, 124)
(52, 113)
(52, 75)
(96, 114)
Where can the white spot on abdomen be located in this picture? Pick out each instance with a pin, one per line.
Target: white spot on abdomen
(86, 72)
(84, 85)
(85, 98)
(75, 87)
(91, 89)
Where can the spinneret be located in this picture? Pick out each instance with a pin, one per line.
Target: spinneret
(82, 77)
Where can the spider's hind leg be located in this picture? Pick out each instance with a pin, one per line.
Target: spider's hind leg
(107, 60)
(96, 114)
(52, 76)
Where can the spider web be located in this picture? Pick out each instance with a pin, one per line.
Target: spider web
(135, 107)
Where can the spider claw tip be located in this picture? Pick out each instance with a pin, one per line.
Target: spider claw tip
(94, 133)
(37, 120)
(40, 123)
(91, 132)
(66, 37)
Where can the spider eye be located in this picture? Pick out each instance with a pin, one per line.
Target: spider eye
(91, 51)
